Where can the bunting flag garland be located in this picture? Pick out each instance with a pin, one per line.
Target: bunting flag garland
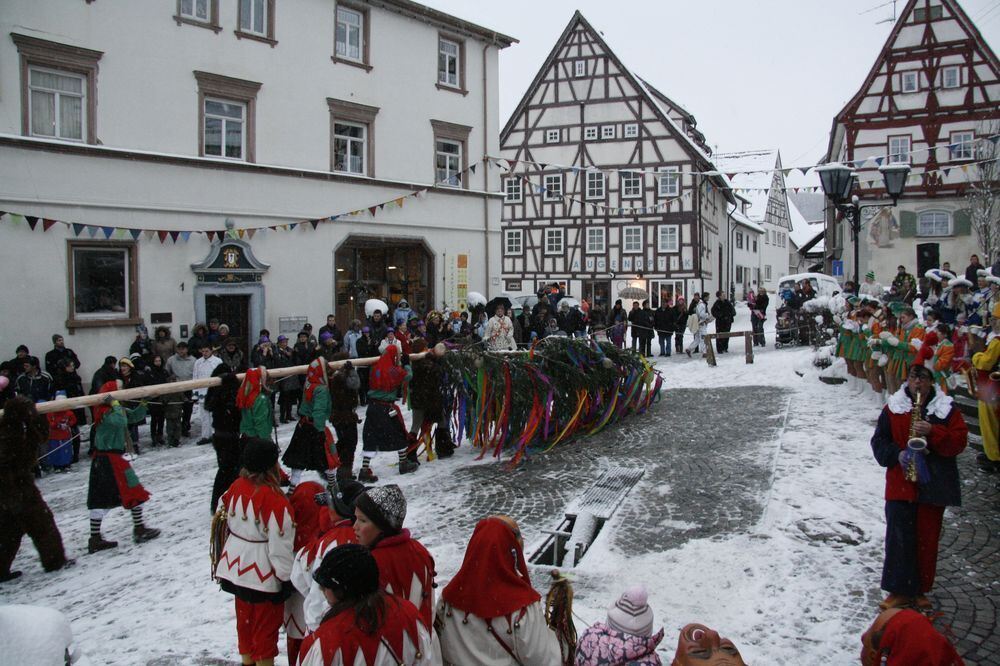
(109, 232)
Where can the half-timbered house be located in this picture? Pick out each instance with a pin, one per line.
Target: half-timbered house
(931, 100)
(609, 184)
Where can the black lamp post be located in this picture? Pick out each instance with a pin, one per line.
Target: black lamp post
(838, 181)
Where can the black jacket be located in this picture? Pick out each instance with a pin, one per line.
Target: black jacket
(681, 315)
(723, 311)
(665, 319)
(55, 357)
(761, 304)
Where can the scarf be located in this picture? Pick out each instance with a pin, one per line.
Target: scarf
(99, 411)
(493, 581)
(315, 375)
(253, 382)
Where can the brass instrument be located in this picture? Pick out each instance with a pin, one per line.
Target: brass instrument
(916, 443)
(970, 382)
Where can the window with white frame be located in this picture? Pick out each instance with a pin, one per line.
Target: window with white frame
(607, 131)
(934, 223)
(553, 187)
(632, 239)
(554, 240)
(552, 136)
(669, 238)
(590, 133)
(739, 240)
(58, 103)
(595, 185)
(899, 150)
(951, 77)
(580, 68)
(448, 162)
(631, 130)
(256, 19)
(196, 10)
(961, 147)
(449, 63)
(225, 128)
(909, 81)
(631, 185)
(767, 272)
(512, 190)
(350, 34)
(596, 240)
(513, 242)
(669, 181)
(350, 147)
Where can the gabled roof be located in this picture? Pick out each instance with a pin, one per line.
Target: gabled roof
(745, 221)
(439, 18)
(803, 234)
(959, 15)
(762, 163)
(693, 149)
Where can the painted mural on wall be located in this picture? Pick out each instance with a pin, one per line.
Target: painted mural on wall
(882, 228)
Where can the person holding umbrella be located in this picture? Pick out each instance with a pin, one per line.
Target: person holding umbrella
(499, 331)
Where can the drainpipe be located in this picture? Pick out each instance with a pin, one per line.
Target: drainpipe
(730, 223)
(486, 177)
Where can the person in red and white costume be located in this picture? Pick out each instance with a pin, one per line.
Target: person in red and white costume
(364, 624)
(304, 610)
(405, 567)
(255, 563)
(308, 516)
(489, 613)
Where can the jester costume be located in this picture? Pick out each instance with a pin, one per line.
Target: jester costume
(984, 363)
(310, 447)
(256, 412)
(384, 427)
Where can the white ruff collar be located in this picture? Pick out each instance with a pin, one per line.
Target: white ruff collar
(939, 406)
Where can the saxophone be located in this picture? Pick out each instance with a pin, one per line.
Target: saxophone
(916, 444)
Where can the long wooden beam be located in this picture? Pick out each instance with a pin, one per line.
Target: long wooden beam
(141, 392)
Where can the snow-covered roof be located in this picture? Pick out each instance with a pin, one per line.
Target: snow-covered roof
(812, 205)
(802, 231)
(762, 163)
(745, 221)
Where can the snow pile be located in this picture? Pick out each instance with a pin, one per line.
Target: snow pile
(817, 304)
(38, 636)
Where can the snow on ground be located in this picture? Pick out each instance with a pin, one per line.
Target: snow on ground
(791, 590)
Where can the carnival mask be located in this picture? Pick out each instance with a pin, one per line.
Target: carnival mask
(700, 646)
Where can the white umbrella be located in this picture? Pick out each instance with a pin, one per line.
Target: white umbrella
(569, 301)
(373, 304)
(474, 298)
(633, 293)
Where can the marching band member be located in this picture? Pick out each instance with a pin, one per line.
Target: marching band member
(985, 363)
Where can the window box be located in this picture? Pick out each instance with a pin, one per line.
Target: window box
(201, 13)
(256, 21)
(226, 116)
(103, 284)
(351, 36)
(58, 89)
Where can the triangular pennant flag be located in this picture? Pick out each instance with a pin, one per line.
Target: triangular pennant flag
(472, 168)
(965, 168)
(399, 201)
(946, 171)
(994, 139)
(149, 234)
(47, 224)
(93, 231)
(381, 206)
(372, 209)
(108, 231)
(210, 235)
(162, 235)
(251, 232)
(240, 232)
(186, 235)
(513, 163)
(879, 160)
(2, 213)
(314, 223)
(77, 229)
(135, 233)
(32, 221)
(16, 219)
(174, 235)
(291, 227)
(804, 170)
(730, 176)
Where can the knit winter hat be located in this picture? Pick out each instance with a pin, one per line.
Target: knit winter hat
(349, 568)
(385, 506)
(631, 614)
(325, 335)
(870, 275)
(259, 455)
(345, 497)
(60, 395)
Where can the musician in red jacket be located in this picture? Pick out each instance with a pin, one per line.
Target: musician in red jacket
(914, 509)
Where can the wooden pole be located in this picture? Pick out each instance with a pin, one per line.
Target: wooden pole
(142, 392)
(709, 351)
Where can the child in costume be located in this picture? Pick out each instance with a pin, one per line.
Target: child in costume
(60, 452)
(310, 447)
(253, 399)
(384, 428)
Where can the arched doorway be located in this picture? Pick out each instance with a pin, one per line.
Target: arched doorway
(390, 269)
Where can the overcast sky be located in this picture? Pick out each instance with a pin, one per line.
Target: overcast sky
(755, 74)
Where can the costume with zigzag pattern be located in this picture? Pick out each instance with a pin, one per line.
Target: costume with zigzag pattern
(402, 639)
(406, 570)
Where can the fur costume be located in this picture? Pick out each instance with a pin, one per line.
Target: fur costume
(429, 396)
(344, 385)
(22, 509)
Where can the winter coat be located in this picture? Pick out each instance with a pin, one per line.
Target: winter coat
(220, 401)
(499, 334)
(723, 311)
(351, 343)
(344, 385)
(761, 306)
(600, 645)
(402, 639)
(37, 387)
(234, 360)
(680, 318)
(378, 329)
(258, 420)
(283, 359)
(317, 409)
(466, 640)
(258, 555)
(103, 375)
(664, 320)
(181, 369)
(645, 320)
(367, 347)
(948, 437)
(55, 357)
(143, 347)
(164, 347)
(402, 316)
(334, 331)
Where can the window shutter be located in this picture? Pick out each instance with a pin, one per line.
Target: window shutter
(961, 222)
(907, 224)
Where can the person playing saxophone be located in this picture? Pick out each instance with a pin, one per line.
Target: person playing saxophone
(986, 362)
(913, 510)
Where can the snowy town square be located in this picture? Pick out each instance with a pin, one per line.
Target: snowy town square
(453, 333)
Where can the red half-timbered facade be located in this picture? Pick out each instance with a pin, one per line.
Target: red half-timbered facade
(931, 100)
(605, 187)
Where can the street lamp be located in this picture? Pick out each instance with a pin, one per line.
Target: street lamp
(838, 181)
